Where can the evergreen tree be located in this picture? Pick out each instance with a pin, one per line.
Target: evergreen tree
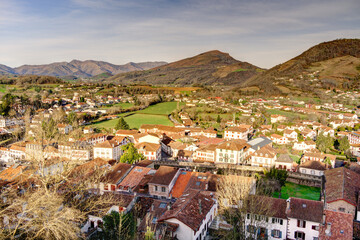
(218, 120)
(122, 124)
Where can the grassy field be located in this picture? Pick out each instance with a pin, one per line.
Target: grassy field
(155, 114)
(164, 108)
(285, 113)
(122, 105)
(298, 191)
(136, 120)
(2, 88)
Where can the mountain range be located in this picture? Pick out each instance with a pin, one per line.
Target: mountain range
(78, 68)
(333, 64)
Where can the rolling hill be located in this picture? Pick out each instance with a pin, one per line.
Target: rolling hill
(209, 68)
(328, 64)
(78, 68)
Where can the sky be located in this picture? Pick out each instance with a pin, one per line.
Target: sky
(262, 32)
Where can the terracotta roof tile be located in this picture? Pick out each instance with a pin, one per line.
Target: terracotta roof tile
(337, 225)
(191, 209)
(304, 209)
(134, 177)
(164, 175)
(342, 184)
(181, 183)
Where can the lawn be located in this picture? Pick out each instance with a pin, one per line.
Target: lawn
(298, 191)
(136, 120)
(2, 88)
(164, 108)
(285, 113)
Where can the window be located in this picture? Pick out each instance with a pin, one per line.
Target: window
(156, 188)
(341, 209)
(301, 224)
(276, 233)
(299, 235)
(277, 220)
(163, 189)
(314, 227)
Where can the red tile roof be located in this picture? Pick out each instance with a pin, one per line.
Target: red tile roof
(190, 209)
(180, 184)
(304, 209)
(134, 177)
(337, 225)
(342, 184)
(164, 175)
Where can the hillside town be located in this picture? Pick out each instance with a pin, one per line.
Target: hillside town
(212, 172)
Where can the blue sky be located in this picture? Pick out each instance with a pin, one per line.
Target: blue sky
(262, 32)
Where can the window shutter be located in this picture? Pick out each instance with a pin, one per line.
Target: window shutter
(272, 233)
(280, 234)
(247, 228)
(298, 223)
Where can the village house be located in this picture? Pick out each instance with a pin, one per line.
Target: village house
(80, 151)
(354, 138)
(135, 177)
(278, 139)
(205, 153)
(125, 204)
(266, 218)
(109, 150)
(291, 135)
(320, 157)
(327, 131)
(151, 151)
(112, 178)
(209, 133)
(304, 218)
(336, 225)
(64, 128)
(94, 138)
(277, 118)
(341, 190)
(263, 157)
(305, 146)
(163, 181)
(314, 168)
(233, 152)
(355, 149)
(285, 162)
(236, 133)
(192, 213)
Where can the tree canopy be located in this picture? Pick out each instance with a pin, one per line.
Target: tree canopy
(122, 124)
(131, 154)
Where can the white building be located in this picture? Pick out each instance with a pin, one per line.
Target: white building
(194, 226)
(109, 149)
(233, 152)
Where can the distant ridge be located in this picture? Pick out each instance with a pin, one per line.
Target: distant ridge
(78, 68)
(209, 68)
(325, 58)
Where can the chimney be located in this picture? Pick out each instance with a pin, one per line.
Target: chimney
(287, 206)
(328, 229)
(200, 210)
